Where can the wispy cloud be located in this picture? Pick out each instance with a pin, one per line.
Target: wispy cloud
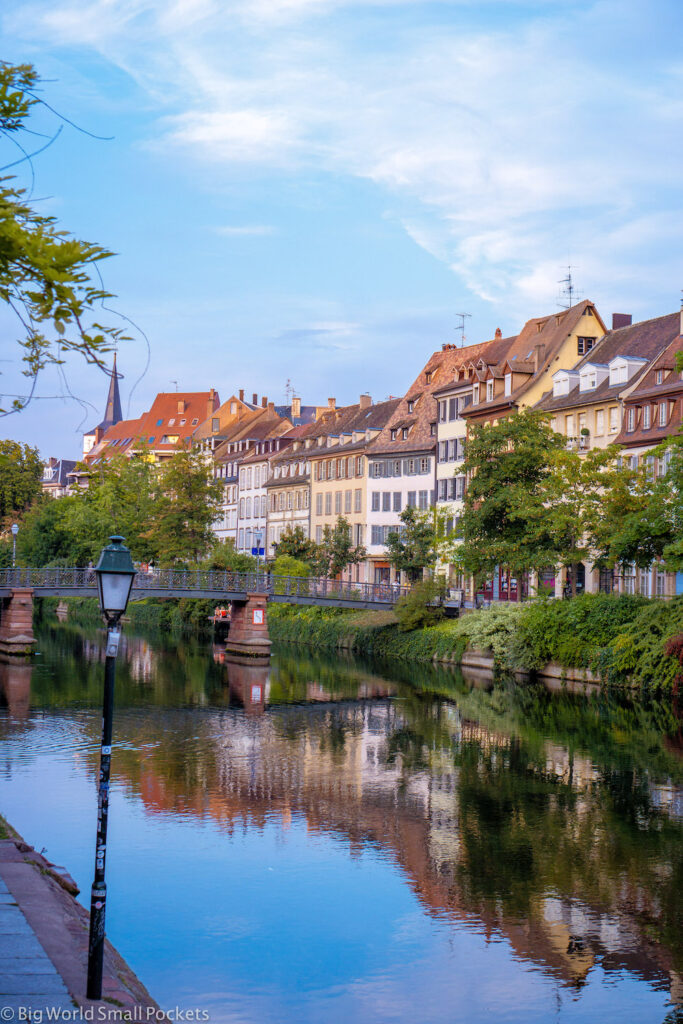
(512, 143)
(240, 230)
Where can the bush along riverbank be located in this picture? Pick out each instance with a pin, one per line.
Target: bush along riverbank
(172, 615)
(619, 640)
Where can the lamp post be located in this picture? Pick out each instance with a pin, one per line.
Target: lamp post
(115, 573)
(258, 537)
(15, 531)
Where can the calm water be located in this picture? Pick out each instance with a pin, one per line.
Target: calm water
(330, 841)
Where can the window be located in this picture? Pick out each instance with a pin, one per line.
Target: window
(584, 345)
(257, 477)
(569, 425)
(631, 419)
(443, 408)
(614, 420)
(337, 503)
(600, 422)
(171, 422)
(425, 465)
(376, 535)
(195, 422)
(318, 504)
(452, 408)
(411, 405)
(318, 534)
(357, 500)
(306, 499)
(328, 503)
(289, 499)
(475, 395)
(659, 376)
(428, 377)
(442, 451)
(159, 422)
(411, 499)
(241, 508)
(489, 390)
(397, 501)
(404, 434)
(646, 417)
(359, 465)
(240, 542)
(249, 479)
(358, 533)
(442, 489)
(151, 440)
(347, 501)
(432, 429)
(662, 414)
(375, 499)
(386, 501)
(508, 384)
(423, 500)
(248, 512)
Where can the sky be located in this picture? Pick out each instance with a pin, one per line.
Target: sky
(311, 191)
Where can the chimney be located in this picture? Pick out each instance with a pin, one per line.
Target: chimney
(271, 407)
(210, 402)
(621, 320)
(539, 352)
(365, 401)
(331, 403)
(296, 407)
(241, 394)
(264, 401)
(181, 405)
(499, 334)
(254, 399)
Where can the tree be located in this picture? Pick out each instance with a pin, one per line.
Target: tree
(48, 278)
(336, 551)
(573, 499)
(296, 544)
(189, 503)
(419, 542)
(505, 521)
(20, 472)
(224, 556)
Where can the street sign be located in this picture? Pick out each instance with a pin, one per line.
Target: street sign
(258, 551)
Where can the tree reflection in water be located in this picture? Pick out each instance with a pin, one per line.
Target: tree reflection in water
(553, 820)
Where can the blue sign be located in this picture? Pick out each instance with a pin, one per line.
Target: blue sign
(258, 551)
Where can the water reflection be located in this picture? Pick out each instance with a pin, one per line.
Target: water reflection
(550, 822)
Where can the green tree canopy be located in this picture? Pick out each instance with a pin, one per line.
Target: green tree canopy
(47, 277)
(418, 543)
(336, 551)
(20, 471)
(295, 544)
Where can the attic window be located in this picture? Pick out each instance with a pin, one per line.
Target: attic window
(159, 422)
(151, 440)
(195, 422)
(584, 345)
(589, 311)
(393, 434)
(489, 390)
(475, 395)
(659, 377)
(428, 377)
(411, 405)
(171, 422)
(508, 384)
(215, 424)
(182, 423)
(404, 433)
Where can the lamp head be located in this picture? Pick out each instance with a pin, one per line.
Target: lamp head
(115, 573)
(15, 529)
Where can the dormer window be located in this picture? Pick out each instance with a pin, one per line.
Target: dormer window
(508, 384)
(411, 405)
(631, 420)
(659, 377)
(404, 433)
(428, 377)
(475, 395)
(393, 434)
(489, 390)
(646, 417)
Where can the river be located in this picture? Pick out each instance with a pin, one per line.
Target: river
(325, 840)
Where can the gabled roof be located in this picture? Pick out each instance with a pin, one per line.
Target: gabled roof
(349, 419)
(644, 340)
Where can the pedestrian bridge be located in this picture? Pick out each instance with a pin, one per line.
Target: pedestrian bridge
(216, 585)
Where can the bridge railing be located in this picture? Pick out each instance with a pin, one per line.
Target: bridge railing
(207, 582)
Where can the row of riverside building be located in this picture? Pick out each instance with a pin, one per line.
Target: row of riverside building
(284, 466)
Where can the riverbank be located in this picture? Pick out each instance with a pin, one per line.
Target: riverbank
(44, 943)
(607, 639)
(174, 615)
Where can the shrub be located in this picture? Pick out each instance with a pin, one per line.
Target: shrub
(422, 606)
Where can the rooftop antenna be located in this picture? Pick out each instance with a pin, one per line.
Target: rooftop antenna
(176, 384)
(290, 392)
(461, 327)
(568, 295)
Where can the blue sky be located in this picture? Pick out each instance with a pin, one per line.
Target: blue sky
(313, 189)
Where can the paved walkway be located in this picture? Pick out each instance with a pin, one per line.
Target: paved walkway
(44, 946)
(28, 978)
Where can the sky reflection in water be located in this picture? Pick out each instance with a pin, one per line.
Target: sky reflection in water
(379, 844)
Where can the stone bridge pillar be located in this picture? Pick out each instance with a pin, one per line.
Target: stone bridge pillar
(248, 634)
(16, 622)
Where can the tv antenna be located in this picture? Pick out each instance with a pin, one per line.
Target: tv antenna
(290, 391)
(461, 326)
(176, 384)
(569, 295)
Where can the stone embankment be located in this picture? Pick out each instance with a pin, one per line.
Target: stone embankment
(44, 946)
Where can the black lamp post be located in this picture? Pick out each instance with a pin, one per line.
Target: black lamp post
(115, 573)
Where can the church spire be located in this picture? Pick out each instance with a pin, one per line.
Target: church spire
(112, 413)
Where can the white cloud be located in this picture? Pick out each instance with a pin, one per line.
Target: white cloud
(521, 144)
(239, 230)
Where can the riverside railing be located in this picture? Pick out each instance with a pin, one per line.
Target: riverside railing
(212, 583)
